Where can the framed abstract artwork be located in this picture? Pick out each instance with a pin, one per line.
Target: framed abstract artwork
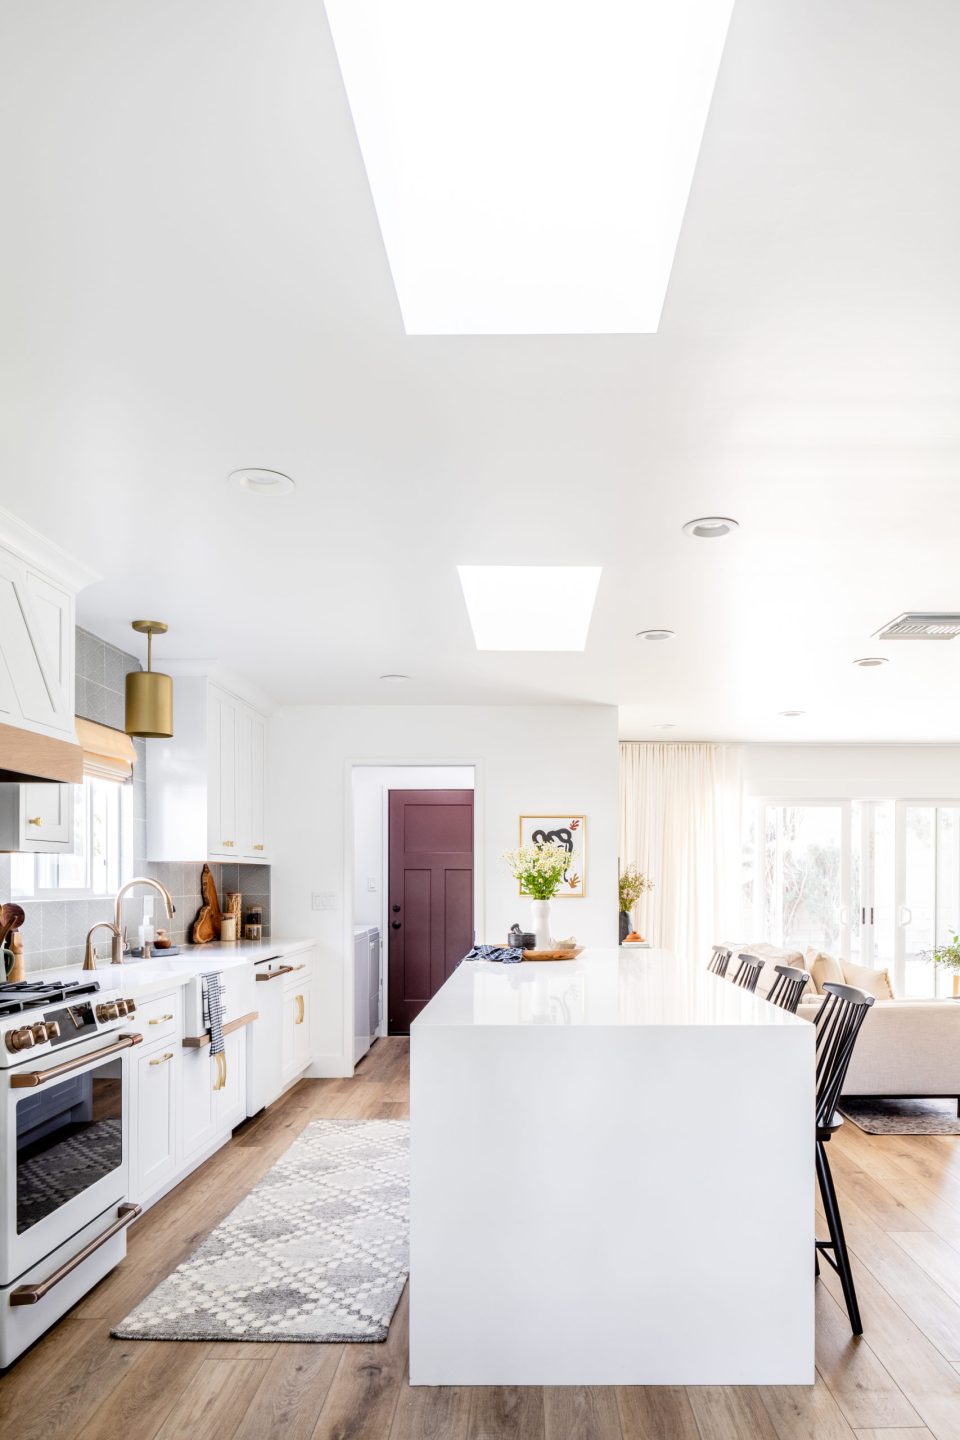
(567, 830)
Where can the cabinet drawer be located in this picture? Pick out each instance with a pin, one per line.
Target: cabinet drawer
(159, 1017)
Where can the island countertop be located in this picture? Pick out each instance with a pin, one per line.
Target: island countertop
(599, 988)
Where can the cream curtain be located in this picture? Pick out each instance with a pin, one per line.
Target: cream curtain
(680, 824)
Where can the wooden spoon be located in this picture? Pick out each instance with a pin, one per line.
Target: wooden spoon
(11, 918)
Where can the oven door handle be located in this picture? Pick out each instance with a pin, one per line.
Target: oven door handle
(31, 1294)
(26, 1080)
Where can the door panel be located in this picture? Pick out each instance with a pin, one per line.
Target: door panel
(430, 895)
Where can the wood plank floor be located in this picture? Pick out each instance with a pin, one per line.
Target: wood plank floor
(901, 1203)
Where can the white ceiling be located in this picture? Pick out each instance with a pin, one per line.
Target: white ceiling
(193, 280)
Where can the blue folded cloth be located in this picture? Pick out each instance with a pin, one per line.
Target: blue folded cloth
(508, 954)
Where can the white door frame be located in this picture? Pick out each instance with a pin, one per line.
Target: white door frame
(404, 762)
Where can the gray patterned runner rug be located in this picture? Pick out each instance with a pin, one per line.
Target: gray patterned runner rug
(317, 1250)
(903, 1117)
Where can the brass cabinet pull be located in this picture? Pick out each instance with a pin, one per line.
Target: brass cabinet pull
(30, 1294)
(263, 976)
(221, 1079)
(160, 1020)
(162, 1059)
(35, 820)
(26, 1080)
(228, 844)
(258, 847)
(301, 1009)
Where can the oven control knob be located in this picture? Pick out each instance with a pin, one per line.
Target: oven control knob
(53, 1029)
(122, 1007)
(108, 1011)
(39, 1032)
(131, 1006)
(21, 1039)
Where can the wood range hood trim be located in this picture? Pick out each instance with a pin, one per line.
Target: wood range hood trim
(27, 756)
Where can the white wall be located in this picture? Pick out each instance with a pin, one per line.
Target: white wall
(370, 782)
(856, 772)
(528, 759)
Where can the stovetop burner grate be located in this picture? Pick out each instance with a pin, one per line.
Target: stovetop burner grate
(19, 995)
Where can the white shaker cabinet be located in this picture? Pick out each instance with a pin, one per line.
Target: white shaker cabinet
(153, 1161)
(36, 817)
(206, 786)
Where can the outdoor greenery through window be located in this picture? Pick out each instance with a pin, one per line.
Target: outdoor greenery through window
(876, 882)
(101, 855)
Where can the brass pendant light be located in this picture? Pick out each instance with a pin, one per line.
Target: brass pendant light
(149, 704)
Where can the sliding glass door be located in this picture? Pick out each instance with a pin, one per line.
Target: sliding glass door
(928, 893)
(825, 875)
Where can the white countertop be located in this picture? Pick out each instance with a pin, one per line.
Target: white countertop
(166, 972)
(598, 988)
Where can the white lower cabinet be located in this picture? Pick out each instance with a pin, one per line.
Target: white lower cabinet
(198, 1119)
(153, 1159)
(295, 1050)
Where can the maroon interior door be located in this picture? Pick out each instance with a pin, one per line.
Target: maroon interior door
(430, 899)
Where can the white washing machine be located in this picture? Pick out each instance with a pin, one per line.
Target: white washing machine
(367, 988)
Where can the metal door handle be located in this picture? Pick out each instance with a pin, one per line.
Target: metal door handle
(395, 909)
(31, 1294)
(394, 924)
(906, 915)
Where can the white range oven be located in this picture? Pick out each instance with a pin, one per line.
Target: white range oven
(64, 1118)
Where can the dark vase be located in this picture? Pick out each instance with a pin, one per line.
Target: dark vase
(624, 925)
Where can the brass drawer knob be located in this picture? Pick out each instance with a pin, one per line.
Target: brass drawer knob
(228, 844)
(35, 820)
(162, 1059)
(258, 847)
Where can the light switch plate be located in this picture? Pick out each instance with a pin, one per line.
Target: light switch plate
(372, 883)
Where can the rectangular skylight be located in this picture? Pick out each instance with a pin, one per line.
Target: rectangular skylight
(530, 160)
(530, 607)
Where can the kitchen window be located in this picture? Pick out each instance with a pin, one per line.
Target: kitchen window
(102, 854)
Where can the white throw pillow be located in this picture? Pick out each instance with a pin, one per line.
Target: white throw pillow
(823, 967)
(875, 982)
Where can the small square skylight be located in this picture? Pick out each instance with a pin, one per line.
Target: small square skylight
(530, 607)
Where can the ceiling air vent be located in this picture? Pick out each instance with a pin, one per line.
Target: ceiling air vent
(921, 625)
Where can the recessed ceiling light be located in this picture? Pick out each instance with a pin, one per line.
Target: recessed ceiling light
(655, 634)
(869, 662)
(530, 607)
(395, 679)
(711, 527)
(589, 246)
(792, 714)
(262, 482)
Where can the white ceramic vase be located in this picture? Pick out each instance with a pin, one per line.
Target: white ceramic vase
(540, 922)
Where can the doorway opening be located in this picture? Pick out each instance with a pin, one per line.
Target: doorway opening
(414, 892)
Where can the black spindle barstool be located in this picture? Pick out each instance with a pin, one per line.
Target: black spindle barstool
(838, 1024)
(719, 961)
(787, 988)
(748, 972)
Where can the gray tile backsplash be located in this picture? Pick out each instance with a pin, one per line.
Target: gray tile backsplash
(54, 930)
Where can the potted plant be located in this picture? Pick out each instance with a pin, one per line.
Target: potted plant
(540, 870)
(633, 884)
(948, 956)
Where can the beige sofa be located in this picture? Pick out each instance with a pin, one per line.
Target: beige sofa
(906, 1047)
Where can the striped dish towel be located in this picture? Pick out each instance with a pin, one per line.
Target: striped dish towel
(213, 1010)
(508, 954)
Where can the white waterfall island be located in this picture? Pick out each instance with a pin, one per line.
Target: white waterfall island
(612, 1178)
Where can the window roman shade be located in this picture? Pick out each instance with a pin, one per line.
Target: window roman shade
(108, 754)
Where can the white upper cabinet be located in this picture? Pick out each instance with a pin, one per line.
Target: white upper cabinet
(37, 615)
(206, 785)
